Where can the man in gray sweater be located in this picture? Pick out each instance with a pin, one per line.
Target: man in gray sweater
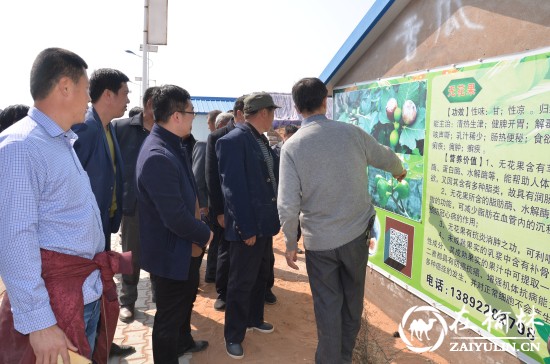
(323, 185)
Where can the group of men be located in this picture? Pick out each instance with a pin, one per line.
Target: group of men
(64, 192)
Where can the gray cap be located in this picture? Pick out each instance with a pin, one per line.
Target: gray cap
(257, 101)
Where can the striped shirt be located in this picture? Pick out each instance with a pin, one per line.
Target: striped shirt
(47, 202)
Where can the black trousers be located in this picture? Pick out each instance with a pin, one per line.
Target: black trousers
(108, 236)
(222, 268)
(212, 258)
(107, 241)
(248, 274)
(337, 281)
(172, 327)
(223, 264)
(271, 278)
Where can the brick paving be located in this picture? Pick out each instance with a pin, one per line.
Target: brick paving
(138, 333)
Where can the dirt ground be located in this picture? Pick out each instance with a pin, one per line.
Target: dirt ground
(295, 337)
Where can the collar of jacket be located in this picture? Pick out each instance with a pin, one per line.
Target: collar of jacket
(95, 117)
(167, 136)
(255, 132)
(313, 118)
(137, 120)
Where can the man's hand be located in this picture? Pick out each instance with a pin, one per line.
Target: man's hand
(400, 177)
(250, 241)
(49, 343)
(221, 220)
(291, 257)
(197, 250)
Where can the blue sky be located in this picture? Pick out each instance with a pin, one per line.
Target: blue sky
(215, 47)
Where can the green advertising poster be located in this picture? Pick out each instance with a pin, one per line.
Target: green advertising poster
(394, 113)
(470, 227)
(487, 234)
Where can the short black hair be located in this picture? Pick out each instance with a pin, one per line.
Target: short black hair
(308, 94)
(167, 100)
(50, 66)
(239, 104)
(12, 114)
(105, 79)
(135, 110)
(148, 94)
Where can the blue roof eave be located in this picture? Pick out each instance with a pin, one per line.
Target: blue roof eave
(369, 21)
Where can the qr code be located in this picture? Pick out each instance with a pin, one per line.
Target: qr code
(398, 243)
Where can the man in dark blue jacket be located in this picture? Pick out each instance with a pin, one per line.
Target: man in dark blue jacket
(248, 171)
(98, 151)
(173, 237)
(97, 146)
(130, 134)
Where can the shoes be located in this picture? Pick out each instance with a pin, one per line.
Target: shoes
(198, 345)
(234, 350)
(264, 327)
(219, 305)
(126, 314)
(270, 298)
(121, 350)
(299, 251)
(209, 280)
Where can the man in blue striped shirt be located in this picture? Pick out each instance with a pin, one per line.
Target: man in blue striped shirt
(47, 202)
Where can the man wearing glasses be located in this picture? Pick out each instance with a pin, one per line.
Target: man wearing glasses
(173, 237)
(248, 170)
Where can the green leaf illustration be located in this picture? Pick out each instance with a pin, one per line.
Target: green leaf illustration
(414, 165)
(417, 131)
(408, 91)
(367, 122)
(365, 106)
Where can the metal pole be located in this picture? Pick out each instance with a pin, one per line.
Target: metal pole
(145, 57)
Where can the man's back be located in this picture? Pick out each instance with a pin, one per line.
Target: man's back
(324, 184)
(329, 160)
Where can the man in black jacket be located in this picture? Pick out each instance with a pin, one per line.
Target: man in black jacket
(216, 202)
(131, 133)
(174, 238)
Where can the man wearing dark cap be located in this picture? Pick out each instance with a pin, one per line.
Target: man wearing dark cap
(248, 170)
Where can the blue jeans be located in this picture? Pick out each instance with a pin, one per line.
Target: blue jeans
(91, 319)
